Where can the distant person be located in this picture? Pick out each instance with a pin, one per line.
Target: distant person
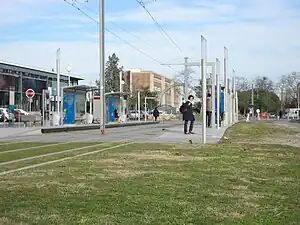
(222, 108)
(208, 110)
(116, 115)
(187, 111)
(280, 114)
(155, 114)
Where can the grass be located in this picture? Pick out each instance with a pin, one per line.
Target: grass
(230, 183)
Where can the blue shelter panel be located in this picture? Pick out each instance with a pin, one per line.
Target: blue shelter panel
(221, 103)
(69, 108)
(111, 108)
(222, 109)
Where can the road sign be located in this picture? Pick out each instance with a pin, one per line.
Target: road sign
(30, 93)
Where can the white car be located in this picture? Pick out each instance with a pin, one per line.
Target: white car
(4, 115)
(22, 112)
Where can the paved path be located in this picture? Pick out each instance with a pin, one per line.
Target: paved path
(167, 132)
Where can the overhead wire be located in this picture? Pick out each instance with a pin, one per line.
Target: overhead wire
(115, 24)
(162, 30)
(74, 5)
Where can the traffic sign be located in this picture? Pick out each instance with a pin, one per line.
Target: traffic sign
(30, 93)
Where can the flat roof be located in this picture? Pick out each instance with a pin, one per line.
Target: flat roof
(85, 88)
(37, 69)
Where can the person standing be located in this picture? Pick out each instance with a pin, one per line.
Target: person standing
(188, 117)
(155, 113)
(208, 110)
(116, 115)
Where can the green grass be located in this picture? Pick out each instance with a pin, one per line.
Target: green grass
(5, 146)
(40, 151)
(230, 183)
(255, 132)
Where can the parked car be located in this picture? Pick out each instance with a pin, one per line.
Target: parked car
(4, 115)
(19, 113)
(134, 115)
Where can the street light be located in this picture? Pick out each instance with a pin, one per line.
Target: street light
(69, 69)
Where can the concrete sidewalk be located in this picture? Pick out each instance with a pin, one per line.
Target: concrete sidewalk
(19, 131)
(175, 135)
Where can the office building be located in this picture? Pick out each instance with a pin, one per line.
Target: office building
(16, 79)
(165, 87)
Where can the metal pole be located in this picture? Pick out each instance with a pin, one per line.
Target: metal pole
(298, 95)
(62, 114)
(69, 78)
(43, 107)
(225, 85)
(252, 100)
(233, 96)
(139, 105)
(237, 106)
(145, 108)
(229, 101)
(58, 81)
(21, 87)
(121, 92)
(203, 77)
(213, 94)
(186, 75)
(102, 66)
(218, 91)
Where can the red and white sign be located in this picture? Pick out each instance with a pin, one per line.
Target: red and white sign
(30, 93)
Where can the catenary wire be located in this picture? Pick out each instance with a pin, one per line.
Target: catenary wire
(141, 3)
(74, 5)
(115, 24)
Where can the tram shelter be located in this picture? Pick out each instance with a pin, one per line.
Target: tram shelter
(77, 104)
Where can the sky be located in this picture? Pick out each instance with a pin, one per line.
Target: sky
(262, 36)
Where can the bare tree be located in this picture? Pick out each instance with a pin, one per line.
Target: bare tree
(264, 83)
(288, 85)
(242, 84)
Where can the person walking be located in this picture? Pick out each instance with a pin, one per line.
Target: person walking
(208, 110)
(155, 113)
(188, 117)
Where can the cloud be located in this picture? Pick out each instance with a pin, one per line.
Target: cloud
(262, 37)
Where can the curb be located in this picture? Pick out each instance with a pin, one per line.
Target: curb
(92, 127)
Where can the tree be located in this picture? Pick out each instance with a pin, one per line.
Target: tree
(244, 98)
(112, 73)
(144, 92)
(264, 83)
(242, 84)
(288, 89)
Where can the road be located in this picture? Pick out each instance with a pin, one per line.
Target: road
(167, 132)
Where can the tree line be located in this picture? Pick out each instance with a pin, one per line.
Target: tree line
(269, 96)
(112, 84)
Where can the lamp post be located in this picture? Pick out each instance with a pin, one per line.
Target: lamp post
(69, 69)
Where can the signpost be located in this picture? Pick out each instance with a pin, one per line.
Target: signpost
(30, 93)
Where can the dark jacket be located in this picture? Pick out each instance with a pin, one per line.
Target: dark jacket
(156, 113)
(188, 111)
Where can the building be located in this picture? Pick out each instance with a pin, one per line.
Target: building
(165, 87)
(16, 79)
